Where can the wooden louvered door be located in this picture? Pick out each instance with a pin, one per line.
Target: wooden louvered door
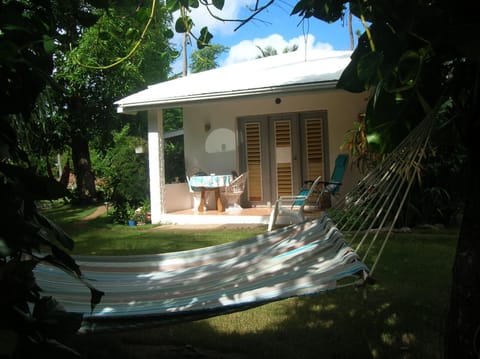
(284, 156)
(254, 161)
(313, 134)
(280, 152)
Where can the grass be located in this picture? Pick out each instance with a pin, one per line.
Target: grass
(401, 316)
(102, 237)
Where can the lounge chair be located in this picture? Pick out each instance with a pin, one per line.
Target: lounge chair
(315, 197)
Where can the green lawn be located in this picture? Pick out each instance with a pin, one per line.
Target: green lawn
(101, 237)
(401, 316)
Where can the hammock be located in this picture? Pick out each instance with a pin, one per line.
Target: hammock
(301, 259)
(298, 260)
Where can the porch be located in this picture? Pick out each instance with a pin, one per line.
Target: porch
(238, 216)
(181, 209)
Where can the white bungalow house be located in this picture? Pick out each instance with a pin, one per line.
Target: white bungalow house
(280, 118)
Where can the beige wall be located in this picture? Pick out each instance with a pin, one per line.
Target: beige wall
(210, 128)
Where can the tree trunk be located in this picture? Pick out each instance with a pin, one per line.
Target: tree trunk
(350, 30)
(463, 321)
(82, 166)
(83, 169)
(184, 53)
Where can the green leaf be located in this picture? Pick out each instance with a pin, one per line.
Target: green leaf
(59, 234)
(367, 68)
(408, 67)
(48, 44)
(169, 34)
(183, 24)
(374, 138)
(194, 4)
(95, 297)
(63, 261)
(204, 39)
(131, 32)
(103, 35)
(172, 5)
(301, 8)
(218, 4)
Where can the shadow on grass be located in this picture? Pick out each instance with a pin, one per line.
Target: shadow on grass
(402, 316)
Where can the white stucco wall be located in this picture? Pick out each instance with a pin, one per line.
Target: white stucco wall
(177, 197)
(215, 124)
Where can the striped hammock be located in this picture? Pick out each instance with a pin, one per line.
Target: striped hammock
(149, 290)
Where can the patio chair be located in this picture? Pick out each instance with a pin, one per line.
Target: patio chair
(294, 206)
(231, 194)
(333, 186)
(315, 197)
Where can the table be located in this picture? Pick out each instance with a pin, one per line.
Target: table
(211, 182)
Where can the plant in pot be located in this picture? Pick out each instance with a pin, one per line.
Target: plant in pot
(131, 215)
(142, 213)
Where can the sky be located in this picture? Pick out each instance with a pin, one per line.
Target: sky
(272, 27)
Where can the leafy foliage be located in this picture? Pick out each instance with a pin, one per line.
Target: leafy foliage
(124, 175)
(88, 90)
(31, 324)
(206, 58)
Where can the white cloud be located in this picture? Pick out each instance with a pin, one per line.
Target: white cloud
(248, 50)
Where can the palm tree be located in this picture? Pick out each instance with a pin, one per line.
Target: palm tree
(271, 51)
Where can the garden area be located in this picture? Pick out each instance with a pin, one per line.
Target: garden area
(402, 315)
(63, 66)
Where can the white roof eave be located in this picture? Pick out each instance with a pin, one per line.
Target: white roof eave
(274, 75)
(134, 107)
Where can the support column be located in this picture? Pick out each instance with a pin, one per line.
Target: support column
(156, 159)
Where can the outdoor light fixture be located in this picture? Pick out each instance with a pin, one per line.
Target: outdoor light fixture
(278, 100)
(207, 126)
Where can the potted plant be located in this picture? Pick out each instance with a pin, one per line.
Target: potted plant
(131, 215)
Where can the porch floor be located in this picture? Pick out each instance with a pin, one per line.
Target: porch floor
(255, 215)
(258, 215)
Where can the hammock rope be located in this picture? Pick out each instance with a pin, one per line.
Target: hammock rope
(373, 207)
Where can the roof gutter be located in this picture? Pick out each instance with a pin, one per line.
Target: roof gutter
(216, 96)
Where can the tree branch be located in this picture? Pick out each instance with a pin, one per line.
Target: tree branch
(242, 22)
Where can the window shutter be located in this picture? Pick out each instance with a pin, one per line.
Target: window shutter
(253, 143)
(283, 146)
(314, 148)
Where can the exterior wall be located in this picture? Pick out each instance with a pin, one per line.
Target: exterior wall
(210, 129)
(177, 197)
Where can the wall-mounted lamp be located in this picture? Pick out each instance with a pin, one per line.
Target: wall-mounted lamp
(207, 126)
(278, 100)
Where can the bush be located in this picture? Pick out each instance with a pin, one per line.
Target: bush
(124, 173)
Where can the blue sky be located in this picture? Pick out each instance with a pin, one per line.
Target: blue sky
(273, 27)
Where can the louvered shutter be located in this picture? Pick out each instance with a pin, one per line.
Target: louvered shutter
(314, 148)
(283, 152)
(253, 144)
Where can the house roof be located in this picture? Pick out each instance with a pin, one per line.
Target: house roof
(286, 73)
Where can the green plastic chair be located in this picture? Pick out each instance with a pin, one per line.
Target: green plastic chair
(333, 186)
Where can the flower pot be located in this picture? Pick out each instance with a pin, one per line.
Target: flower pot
(132, 223)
